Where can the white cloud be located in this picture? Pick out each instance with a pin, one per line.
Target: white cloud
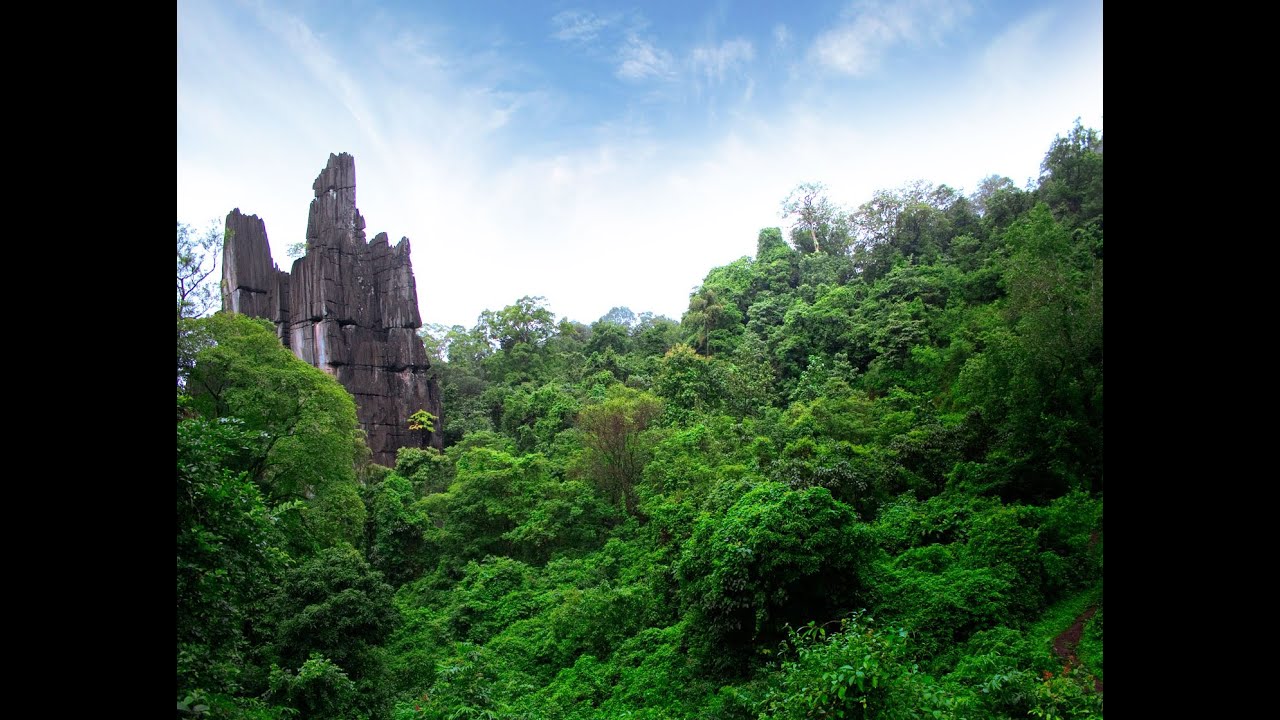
(622, 216)
(326, 68)
(409, 49)
(874, 27)
(1012, 55)
(714, 61)
(639, 59)
(575, 26)
(781, 36)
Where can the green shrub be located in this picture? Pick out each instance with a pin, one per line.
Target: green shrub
(778, 556)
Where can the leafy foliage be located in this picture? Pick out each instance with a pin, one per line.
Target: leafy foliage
(198, 252)
(613, 434)
(306, 423)
(860, 478)
(777, 556)
(333, 613)
(229, 556)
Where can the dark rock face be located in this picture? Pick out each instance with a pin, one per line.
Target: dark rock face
(349, 307)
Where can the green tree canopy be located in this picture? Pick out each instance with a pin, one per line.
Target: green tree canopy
(527, 321)
(615, 442)
(308, 439)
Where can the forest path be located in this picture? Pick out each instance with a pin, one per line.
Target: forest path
(1064, 646)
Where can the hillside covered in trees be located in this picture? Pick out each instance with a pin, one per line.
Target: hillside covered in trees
(861, 477)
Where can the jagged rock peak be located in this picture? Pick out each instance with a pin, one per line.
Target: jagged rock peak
(334, 220)
(338, 174)
(250, 278)
(349, 308)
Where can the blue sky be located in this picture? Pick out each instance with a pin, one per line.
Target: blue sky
(603, 154)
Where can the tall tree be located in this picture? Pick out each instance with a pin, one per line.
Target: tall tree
(308, 440)
(1039, 381)
(709, 319)
(198, 250)
(613, 433)
(621, 315)
(527, 321)
(197, 291)
(334, 610)
(229, 558)
(1071, 175)
(820, 224)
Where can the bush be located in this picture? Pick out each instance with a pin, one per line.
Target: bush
(778, 556)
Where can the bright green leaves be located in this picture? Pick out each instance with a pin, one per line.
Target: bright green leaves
(501, 504)
(310, 438)
(422, 420)
(861, 670)
(776, 556)
(320, 689)
(424, 423)
(710, 320)
(267, 447)
(528, 321)
(686, 381)
(333, 612)
(616, 444)
(1071, 176)
(397, 530)
(534, 416)
(228, 553)
(1039, 381)
(489, 498)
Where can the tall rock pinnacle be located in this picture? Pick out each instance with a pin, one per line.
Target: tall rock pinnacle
(349, 307)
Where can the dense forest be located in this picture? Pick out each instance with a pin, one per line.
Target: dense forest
(861, 477)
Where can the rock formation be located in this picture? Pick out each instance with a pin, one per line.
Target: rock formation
(349, 307)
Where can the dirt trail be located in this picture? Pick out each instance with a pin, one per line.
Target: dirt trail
(1064, 646)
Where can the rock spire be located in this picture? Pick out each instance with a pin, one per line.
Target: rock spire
(349, 307)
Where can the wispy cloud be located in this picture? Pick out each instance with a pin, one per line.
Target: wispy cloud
(453, 144)
(781, 36)
(713, 62)
(325, 67)
(577, 26)
(1015, 49)
(639, 59)
(874, 27)
(409, 49)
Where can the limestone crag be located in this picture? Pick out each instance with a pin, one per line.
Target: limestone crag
(348, 307)
(252, 284)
